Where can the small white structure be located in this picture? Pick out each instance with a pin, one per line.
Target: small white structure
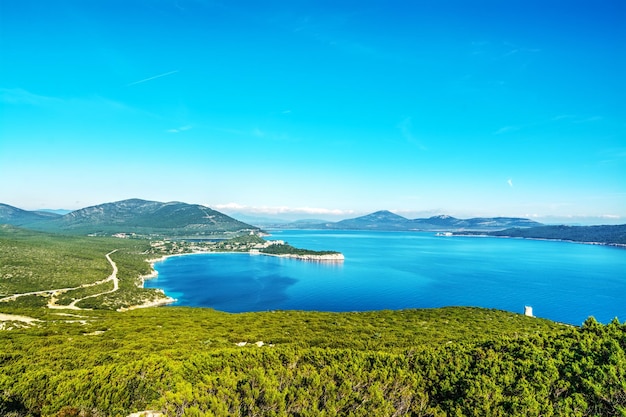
(528, 311)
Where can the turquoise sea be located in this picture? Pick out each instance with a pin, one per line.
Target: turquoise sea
(562, 281)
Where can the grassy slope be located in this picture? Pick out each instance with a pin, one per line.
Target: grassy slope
(34, 261)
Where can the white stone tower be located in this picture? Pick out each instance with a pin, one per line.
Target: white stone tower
(528, 311)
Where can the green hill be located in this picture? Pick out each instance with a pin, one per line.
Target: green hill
(605, 234)
(38, 262)
(18, 217)
(146, 218)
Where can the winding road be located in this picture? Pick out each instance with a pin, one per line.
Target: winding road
(72, 306)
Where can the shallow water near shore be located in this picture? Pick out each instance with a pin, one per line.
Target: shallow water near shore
(562, 281)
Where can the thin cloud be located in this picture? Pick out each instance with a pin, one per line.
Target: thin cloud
(510, 182)
(258, 132)
(165, 74)
(180, 129)
(21, 96)
(406, 127)
(589, 119)
(577, 219)
(563, 117)
(82, 105)
(275, 210)
(506, 129)
(576, 119)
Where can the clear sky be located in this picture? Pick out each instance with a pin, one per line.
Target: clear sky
(317, 108)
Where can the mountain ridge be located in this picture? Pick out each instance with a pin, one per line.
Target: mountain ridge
(18, 217)
(602, 234)
(385, 220)
(132, 216)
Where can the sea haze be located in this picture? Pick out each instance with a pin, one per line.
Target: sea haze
(562, 281)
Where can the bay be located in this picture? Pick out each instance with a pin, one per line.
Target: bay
(562, 281)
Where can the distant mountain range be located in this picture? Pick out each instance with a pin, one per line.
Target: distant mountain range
(387, 221)
(182, 220)
(173, 219)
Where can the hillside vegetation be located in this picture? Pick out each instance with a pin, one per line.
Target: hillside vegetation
(200, 362)
(132, 217)
(194, 362)
(607, 234)
(38, 262)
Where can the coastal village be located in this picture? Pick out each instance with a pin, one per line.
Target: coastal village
(252, 244)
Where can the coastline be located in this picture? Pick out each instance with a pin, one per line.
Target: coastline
(154, 274)
(335, 257)
(615, 245)
(330, 258)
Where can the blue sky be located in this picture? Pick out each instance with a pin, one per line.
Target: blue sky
(317, 109)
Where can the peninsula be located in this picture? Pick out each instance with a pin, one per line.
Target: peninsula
(284, 250)
(610, 235)
(251, 243)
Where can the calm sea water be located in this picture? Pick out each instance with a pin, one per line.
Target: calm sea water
(562, 281)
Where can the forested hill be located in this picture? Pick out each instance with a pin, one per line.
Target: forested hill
(173, 219)
(608, 235)
(18, 217)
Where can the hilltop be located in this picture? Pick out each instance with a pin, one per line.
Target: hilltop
(134, 216)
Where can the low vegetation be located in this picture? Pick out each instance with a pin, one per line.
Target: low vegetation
(606, 235)
(200, 362)
(38, 262)
(194, 362)
(286, 249)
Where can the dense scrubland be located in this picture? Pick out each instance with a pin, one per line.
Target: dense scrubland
(201, 362)
(35, 262)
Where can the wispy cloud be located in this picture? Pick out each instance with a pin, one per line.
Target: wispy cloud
(589, 119)
(73, 105)
(510, 182)
(579, 219)
(576, 119)
(165, 74)
(21, 96)
(180, 129)
(515, 51)
(612, 155)
(563, 117)
(279, 210)
(506, 129)
(406, 128)
(269, 135)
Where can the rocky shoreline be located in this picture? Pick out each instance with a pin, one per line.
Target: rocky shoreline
(331, 257)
